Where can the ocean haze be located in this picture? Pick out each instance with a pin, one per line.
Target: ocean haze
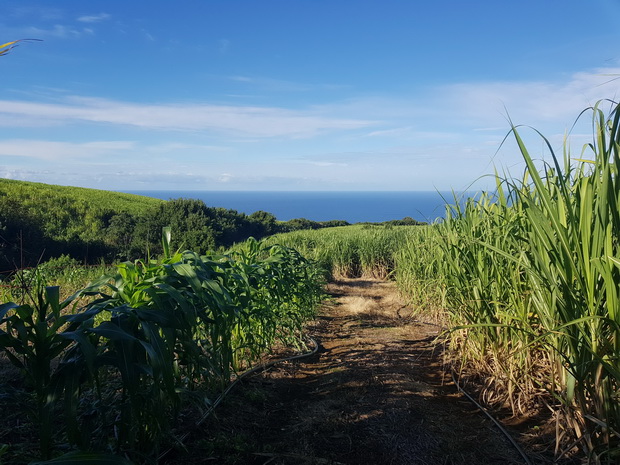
(354, 207)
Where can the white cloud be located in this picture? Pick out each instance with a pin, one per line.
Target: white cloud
(277, 85)
(393, 132)
(94, 18)
(442, 136)
(409, 133)
(39, 12)
(326, 163)
(147, 35)
(241, 79)
(178, 146)
(238, 120)
(57, 151)
(480, 104)
(532, 102)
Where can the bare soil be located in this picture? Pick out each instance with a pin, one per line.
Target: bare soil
(375, 393)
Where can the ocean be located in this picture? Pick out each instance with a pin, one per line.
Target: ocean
(354, 207)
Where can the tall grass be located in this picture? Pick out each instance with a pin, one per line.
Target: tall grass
(531, 275)
(351, 251)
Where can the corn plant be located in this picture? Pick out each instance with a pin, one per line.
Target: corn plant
(34, 335)
(187, 322)
(150, 336)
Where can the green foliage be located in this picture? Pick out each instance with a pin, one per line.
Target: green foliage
(406, 221)
(120, 235)
(151, 336)
(350, 251)
(298, 224)
(189, 219)
(266, 221)
(530, 276)
(34, 335)
(40, 221)
(85, 458)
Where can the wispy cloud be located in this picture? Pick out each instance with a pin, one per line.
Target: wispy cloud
(282, 85)
(57, 30)
(531, 102)
(57, 151)
(39, 12)
(326, 163)
(484, 104)
(94, 18)
(241, 79)
(364, 140)
(411, 133)
(237, 120)
(147, 35)
(181, 146)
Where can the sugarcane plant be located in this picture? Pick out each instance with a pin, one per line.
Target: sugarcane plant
(531, 275)
(7, 47)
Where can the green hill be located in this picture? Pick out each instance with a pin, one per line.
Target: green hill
(81, 199)
(40, 221)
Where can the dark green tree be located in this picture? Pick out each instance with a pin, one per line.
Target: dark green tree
(191, 223)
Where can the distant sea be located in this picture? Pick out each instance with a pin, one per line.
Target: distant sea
(354, 207)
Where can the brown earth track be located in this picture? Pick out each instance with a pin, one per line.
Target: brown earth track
(374, 393)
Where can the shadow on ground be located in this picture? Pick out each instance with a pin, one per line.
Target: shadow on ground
(374, 393)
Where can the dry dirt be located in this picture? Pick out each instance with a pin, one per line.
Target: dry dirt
(375, 393)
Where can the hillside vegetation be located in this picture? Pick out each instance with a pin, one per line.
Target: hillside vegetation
(363, 250)
(41, 221)
(38, 221)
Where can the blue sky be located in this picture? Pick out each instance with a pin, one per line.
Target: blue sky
(295, 94)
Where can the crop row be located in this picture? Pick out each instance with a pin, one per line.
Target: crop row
(153, 336)
(352, 251)
(530, 278)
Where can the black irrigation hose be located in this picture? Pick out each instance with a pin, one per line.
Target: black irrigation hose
(514, 443)
(492, 418)
(245, 374)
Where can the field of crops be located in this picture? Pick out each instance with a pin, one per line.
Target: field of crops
(526, 280)
(352, 251)
(532, 275)
(115, 363)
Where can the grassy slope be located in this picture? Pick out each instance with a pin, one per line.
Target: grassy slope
(37, 194)
(39, 221)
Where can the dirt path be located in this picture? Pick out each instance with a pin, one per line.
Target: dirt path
(374, 394)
